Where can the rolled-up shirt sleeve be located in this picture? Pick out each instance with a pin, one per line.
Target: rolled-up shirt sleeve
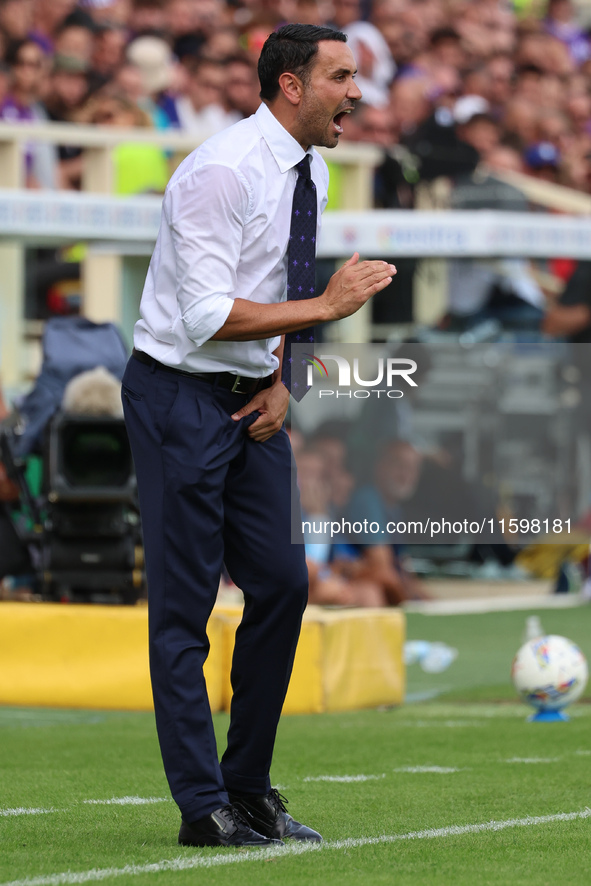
(206, 211)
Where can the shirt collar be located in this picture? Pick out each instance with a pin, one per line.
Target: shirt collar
(285, 149)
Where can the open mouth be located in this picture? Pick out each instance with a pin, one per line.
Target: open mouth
(338, 119)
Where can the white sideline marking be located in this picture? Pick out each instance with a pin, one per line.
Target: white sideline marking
(533, 760)
(182, 863)
(495, 604)
(344, 778)
(22, 810)
(437, 724)
(426, 694)
(443, 770)
(127, 801)
(48, 717)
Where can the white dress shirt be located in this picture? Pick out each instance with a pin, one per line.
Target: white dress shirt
(223, 235)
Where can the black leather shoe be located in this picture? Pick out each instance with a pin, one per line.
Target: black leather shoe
(268, 816)
(223, 827)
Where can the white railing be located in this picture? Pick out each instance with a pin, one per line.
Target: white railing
(98, 143)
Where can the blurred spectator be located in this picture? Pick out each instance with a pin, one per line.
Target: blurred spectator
(505, 158)
(437, 147)
(117, 12)
(256, 32)
(67, 92)
(68, 88)
(486, 27)
(154, 60)
(561, 23)
(16, 18)
(314, 489)
(148, 17)
(396, 468)
(445, 45)
(222, 44)
(202, 110)
(375, 66)
(241, 94)
(554, 126)
(328, 441)
(342, 583)
(130, 82)
(475, 125)
(392, 190)
(345, 12)
(410, 104)
(520, 120)
(569, 316)
(502, 290)
(211, 15)
(499, 72)
(48, 16)
(404, 41)
(28, 76)
(312, 12)
(370, 124)
(578, 106)
(75, 39)
(396, 473)
(108, 53)
(140, 168)
(182, 18)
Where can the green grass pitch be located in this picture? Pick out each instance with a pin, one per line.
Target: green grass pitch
(402, 796)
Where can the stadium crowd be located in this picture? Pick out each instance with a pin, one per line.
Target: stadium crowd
(511, 82)
(464, 89)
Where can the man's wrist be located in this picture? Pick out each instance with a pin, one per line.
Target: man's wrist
(325, 311)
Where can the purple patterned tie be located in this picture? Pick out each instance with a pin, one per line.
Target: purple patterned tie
(300, 272)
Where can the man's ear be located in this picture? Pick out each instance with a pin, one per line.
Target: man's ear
(291, 87)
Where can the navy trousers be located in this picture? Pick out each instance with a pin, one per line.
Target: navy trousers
(209, 494)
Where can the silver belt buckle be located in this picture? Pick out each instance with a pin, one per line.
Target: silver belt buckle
(236, 386)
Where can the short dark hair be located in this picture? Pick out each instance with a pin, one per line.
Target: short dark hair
(13, 49)
(443, 35)
(194, 63)
(291, 48)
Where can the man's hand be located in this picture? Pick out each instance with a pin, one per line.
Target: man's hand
(353, 284)
(272, 404)
(347, 291)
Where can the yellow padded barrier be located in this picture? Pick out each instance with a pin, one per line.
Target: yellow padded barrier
(84, 657)
(97, 657)
(345, 660)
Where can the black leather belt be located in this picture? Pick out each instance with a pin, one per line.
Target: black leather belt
(238, 384)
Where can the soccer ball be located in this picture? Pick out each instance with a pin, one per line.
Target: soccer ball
(549, 672)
